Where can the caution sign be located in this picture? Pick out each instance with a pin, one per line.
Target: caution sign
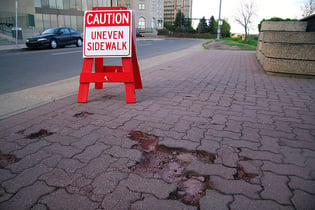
(107, 33)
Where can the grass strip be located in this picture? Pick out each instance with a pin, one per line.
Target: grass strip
(205, 44)
(240, 43)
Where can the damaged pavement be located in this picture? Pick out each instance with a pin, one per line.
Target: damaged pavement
(210, 130)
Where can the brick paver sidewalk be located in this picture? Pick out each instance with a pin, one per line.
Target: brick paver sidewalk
(246, 138)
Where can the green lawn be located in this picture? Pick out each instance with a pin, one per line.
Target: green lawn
(250, 45)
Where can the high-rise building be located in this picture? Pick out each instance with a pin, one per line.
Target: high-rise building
(171, 8)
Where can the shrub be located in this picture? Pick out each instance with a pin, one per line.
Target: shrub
(274, 19)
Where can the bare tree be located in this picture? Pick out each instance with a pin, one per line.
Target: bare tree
(308, 8)
(245, 15)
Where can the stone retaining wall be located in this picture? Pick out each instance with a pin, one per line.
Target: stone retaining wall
(285, 47)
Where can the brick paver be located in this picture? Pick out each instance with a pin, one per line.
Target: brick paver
(260, 128)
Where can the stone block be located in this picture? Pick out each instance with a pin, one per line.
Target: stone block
(283, 26)
(273, 184)
(261, 36)
(215, 200)
(157, 187)
(27, 196)
(151, 202)
(236, 187)
(60, 199)
(242, 202)
(289, 51)
(288, 66)
(259, 46)
(303, 200)
(259, 56)
(287, 37)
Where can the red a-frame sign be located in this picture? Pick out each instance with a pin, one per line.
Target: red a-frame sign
(109, 32)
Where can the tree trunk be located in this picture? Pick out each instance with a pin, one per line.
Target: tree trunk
(245, 36)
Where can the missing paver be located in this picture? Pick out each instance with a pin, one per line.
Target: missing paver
(7, 159)
(243, 174)
(21, 132)
(40, 134)
(83, 114)
(170, 165)
(147, 142)
(191, 188)
(108, 97)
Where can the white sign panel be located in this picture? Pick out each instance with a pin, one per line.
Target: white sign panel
(107, 33)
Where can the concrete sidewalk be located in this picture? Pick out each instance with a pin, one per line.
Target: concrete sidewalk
(209, 130)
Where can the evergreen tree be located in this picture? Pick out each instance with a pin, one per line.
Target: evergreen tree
(202, 26)
(212, 25)
(188, 25)
(179, 21)
(182, 24)
(225, 29)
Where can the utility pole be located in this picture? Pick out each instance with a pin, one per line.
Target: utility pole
(219, 22)
(16, 23)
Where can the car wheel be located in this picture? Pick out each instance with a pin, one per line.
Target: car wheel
(53, 44)
(79, 42)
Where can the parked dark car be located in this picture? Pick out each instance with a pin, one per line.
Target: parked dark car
(55, 37)
(139, 34)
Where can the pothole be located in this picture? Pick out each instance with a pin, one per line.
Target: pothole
(83, 114)
(40, 134)
(7, 159)
(244, 172)
(170, 165)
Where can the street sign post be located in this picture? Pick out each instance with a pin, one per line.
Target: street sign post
(109, 32)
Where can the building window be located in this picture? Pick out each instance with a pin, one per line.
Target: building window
(72, 4)
(52, 4)
(141, 23)
(153, 23)
(160, 24)
(59, 4)
(66, 4)
(67, 21)
(141, 6)
(38, 3)
(46, 21)
(73, 20)
(61, 20)
(39, 23)
(45, 3)
(53, 21)
(78, 4)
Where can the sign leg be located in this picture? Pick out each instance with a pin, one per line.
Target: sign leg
(135, 66)
(84, 86)
(129, 86)
(98, 69)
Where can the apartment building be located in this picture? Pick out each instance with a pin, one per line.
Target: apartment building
(149, 14)
(36, 15)
(171, 8)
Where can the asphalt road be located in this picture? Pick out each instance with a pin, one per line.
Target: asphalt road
(29, 68)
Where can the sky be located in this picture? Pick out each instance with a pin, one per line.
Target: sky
(265, 9)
